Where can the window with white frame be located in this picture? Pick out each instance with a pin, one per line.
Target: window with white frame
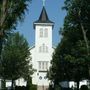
(43, 65)
(46, 32)
(41, 32)
(43, 48)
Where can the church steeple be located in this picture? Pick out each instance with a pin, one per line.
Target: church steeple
(42, 52)
(43, 17)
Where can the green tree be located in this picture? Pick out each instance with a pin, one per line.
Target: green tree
(78, 17)
(16, 59)
(60, 69)
(11, 12)
(71, 59)
(77, 21)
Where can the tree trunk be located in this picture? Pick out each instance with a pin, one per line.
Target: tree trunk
(0, 47)
(2, 20)
(84, 33)
(85, 38)
(77, 85)
(12, 86)
(3, 12)
(3, 84)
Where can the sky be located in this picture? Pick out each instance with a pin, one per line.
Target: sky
(55, 14)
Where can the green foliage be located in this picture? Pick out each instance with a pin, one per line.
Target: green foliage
(3, 84)
(71, 59)
(57, 87)
(16, 58)
(34, 87)
(84, 87)
(20, 88)
(29, 83)
(11, 12)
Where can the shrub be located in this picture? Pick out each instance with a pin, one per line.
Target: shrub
(20, 88)
(84, 87)
(34, 87)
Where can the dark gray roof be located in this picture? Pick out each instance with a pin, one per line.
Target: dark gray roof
(43, 17)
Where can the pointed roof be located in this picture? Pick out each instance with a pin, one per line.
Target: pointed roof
(43, 17)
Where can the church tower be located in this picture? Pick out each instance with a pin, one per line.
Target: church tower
(41, 53)
(43, 33)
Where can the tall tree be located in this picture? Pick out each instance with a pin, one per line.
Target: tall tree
(11, 11)
(71, 60)
(78, 12)
(77, 19)
(16, 59)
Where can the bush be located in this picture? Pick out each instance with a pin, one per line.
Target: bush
(51, 87)
(20, 88)
(34, 87)
(84, 87)
(66, 89)
(57, 87)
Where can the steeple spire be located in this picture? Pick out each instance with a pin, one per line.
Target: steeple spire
(43, 2)
(43, 18)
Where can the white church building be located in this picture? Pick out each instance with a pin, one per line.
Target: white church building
(41, 53)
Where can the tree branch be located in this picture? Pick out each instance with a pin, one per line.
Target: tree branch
(3, 13)
(84, 33)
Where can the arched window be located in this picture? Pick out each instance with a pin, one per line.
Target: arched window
(43, 65)
(43, 48)
(41, 32)
(46, 32)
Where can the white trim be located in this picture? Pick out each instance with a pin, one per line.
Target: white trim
(44, 24)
